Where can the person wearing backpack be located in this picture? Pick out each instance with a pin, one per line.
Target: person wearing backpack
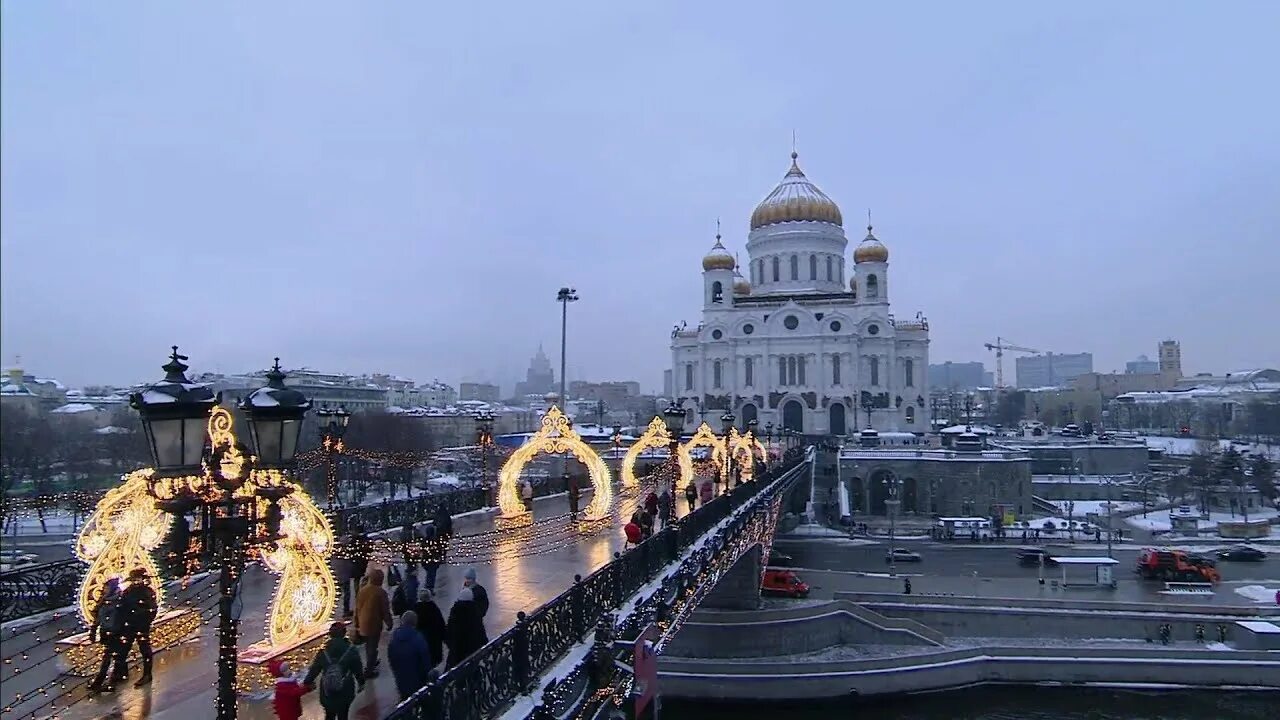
(108, 624)
(341, 676)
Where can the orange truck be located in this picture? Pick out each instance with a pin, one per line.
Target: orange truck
(1176, 566)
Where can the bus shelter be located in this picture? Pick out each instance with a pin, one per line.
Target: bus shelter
(1088, 571)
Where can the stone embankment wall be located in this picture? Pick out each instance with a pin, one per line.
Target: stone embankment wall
(792, 631)
(1045, 618)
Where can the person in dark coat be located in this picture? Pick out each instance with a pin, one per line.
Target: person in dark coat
(433, 554)
(691, 495)
(107, 628)
(477, 590)
(140, 608)
(665, 506)
(337, 650)
(443, 522)
(464, 632)
(430, 623)
(409, 656)
(651, 503)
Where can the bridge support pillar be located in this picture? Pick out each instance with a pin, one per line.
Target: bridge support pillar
(739, 589)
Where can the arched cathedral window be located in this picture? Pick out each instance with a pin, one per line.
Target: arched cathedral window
(795, 267)
(873, 287)
(715, 374)
(776, 277)
(813, 267)
(874, 368)
(829, 268)
(749, 371)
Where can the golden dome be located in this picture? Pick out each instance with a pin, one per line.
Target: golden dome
(718, 258)
(870, 250)
(795, 199)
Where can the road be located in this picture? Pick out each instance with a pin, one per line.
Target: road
(838, 564)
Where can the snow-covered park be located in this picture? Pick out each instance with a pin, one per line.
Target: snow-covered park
(1160, 520)
(1186, 446)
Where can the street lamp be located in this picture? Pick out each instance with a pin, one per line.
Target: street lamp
(484, 438)
(564, 297)
(673, 416)
(892, 483)
(726, 421)
(332, 426)
(226, 484)
(768, 436)
(754, 437)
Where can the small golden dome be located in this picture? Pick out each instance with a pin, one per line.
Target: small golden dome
(870, 250)
(740, 284)
(795, 199)
(718, 258)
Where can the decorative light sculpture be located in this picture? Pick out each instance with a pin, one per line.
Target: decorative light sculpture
(556, 436)
(656, 435)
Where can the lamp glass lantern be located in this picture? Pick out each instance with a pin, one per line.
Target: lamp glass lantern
(174, 414)
(727, 420)
(275, 414)
(673, 416)
(343, 416)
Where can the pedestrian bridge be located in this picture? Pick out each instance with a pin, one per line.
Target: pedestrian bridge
(555, 594)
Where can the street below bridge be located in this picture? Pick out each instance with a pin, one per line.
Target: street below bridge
(843, 564)
(524, 574)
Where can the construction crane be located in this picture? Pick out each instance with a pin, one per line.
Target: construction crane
(1000, 346)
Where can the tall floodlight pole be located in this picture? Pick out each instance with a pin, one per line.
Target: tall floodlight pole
(565, 296)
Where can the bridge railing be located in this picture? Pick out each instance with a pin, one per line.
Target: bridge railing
(509, 665)
(38, 588)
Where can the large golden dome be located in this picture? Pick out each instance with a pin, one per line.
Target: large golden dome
(795, 200)
(718, 258)
(870, 249)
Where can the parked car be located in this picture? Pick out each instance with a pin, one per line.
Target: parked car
(777, 559)
(778, 581)
(1242, 553)
(15, 559)
(1033, 556)
(902, 555)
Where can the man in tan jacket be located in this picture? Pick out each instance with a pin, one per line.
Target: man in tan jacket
(373, 613)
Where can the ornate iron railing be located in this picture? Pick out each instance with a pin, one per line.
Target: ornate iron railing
(508, 666)
(38, 588)
(394, 513)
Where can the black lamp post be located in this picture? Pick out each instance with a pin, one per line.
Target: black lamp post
(751, 433)
(673, 416)
(175, 413)
(332, 425)
(726, 423)
(768, 437)
(484, 438)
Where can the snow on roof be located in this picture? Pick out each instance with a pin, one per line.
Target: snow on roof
(112, 430)
(261, 398)
(11, 389)
(957, 429)
(73, 408)
(151, 397)
(51, 381)
(1085, 560)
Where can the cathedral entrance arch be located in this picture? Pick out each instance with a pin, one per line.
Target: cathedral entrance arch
(793, 415)
(748, 414)
(836, 420)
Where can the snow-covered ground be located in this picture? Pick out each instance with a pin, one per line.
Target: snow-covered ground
(1189, 446)
(823, 534)
(1259, 593)
(1098, 507)
(1160, 520)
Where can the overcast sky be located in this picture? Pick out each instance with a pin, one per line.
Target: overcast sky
(402, 186)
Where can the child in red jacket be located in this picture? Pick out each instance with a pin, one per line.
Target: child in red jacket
(288, 698)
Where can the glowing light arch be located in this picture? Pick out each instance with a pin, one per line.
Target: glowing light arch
(556, 436)
(742, 445)
(118, 537)
(655, 435)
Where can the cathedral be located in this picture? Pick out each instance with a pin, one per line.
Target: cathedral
(807, 342)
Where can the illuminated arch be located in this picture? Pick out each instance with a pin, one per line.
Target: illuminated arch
(555, 437)
(655, 436)
(744, 447)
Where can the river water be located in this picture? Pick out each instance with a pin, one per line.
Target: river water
(1006, 702)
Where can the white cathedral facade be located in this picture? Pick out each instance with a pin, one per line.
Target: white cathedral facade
(798, 345)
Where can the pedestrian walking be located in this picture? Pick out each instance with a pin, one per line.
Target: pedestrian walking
(337, 666)
(571, 481)
(373, 613)
(477, 590)
(140, 607)
(664, 507)
(409, 656)
(286, 701)
(526, 494)
(107, 629)
(704, 492)
(464, 633)
(691, 494)
(906, 586)
(443, 522)
(651, 503)
(433, 552)
(430, 623)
